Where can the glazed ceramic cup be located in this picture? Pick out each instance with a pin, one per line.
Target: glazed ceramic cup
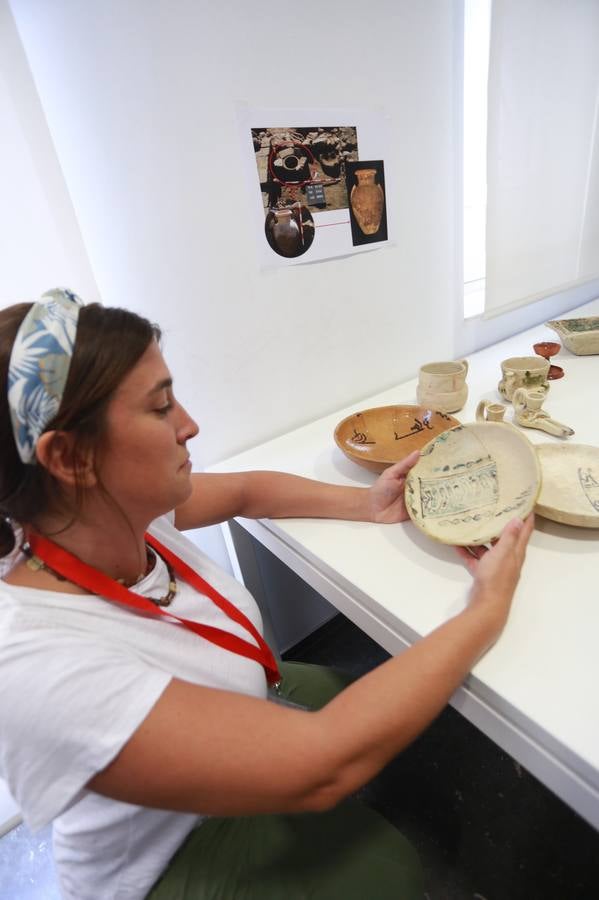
(442, 385)
(523, 372)
(490, 412)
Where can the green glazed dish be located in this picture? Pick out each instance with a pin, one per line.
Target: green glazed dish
(579, 336)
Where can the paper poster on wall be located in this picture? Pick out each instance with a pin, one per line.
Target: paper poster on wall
(301, 177)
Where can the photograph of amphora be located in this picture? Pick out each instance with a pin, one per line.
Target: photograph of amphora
(367, 200)
(442, 385)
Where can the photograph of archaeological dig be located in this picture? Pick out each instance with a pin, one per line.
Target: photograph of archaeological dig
(367, 201)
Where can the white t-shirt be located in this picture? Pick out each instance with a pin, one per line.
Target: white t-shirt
(78, 675)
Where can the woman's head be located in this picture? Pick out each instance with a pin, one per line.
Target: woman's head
(108, 344)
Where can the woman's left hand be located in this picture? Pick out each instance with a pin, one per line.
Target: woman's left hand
(387, 502)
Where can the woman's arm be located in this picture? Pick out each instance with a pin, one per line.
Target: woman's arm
(227, 754)
(255, 495)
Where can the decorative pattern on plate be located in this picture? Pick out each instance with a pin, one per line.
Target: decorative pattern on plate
(378, 437)
(570, 491)
(459, 492)
(470, 481)
(590, 487)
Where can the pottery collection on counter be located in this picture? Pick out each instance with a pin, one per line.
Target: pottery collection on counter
(471, 479)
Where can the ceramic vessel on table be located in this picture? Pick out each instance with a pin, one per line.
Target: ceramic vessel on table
(579, 336)
(529, 414)
(486, 411)
(570, 489)
(547, 349)
(442, 385)
(523, 372)
(470, 481)
(378, 437)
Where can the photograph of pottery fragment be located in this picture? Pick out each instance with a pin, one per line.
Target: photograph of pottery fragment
(367, 203)
(305, 165)
(301, 171)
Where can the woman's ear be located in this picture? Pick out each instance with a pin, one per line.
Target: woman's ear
(55, 451)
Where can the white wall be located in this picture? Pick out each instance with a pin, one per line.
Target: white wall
(40, 241)
(140, 99)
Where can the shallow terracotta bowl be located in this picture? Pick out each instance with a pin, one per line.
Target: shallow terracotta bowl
(378, 437)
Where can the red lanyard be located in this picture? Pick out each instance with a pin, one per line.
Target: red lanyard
(67, 565)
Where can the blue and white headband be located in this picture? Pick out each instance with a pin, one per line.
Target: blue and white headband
(39, 366)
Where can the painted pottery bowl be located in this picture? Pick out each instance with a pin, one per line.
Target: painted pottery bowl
(378, 437)
(579, 336)
(570, 490)
(547, 349)
(470, 481)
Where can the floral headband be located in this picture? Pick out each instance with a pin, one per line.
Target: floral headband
(39, 366)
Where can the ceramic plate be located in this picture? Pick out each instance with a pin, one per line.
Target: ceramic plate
(378, 437)
(470, 481)
(570, 491)
(580, 336)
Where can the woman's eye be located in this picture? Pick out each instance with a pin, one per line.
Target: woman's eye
(163, 410)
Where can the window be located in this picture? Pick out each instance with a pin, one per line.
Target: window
(531, 151)
(477, 21)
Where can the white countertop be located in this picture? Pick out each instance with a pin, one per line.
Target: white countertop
(535, 692)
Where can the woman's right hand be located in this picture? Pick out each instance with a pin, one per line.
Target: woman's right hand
(497, 570)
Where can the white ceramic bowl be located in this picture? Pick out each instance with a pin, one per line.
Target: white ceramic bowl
(570, 491)
(471, 480)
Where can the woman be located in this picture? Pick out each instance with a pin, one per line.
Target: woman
(133, 702)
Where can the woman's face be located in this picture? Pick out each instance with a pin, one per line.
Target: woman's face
(145, 465)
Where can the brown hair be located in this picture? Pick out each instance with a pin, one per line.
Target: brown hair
(109, 343)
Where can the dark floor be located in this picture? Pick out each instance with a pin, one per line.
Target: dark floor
(485, 828)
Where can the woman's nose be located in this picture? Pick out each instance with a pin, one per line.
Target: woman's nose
(187, 427)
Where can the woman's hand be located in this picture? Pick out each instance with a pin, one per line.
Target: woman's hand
(497, 571)
(386, 496)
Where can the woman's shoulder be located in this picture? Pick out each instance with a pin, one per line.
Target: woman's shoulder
(23, 575)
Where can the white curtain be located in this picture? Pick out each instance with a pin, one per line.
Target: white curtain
(543, 150)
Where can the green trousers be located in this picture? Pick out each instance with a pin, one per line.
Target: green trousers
(349, 853)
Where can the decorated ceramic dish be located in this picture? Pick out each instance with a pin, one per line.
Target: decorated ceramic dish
(378, 437)
(580, 336)
(570, 491)
(470, 481)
